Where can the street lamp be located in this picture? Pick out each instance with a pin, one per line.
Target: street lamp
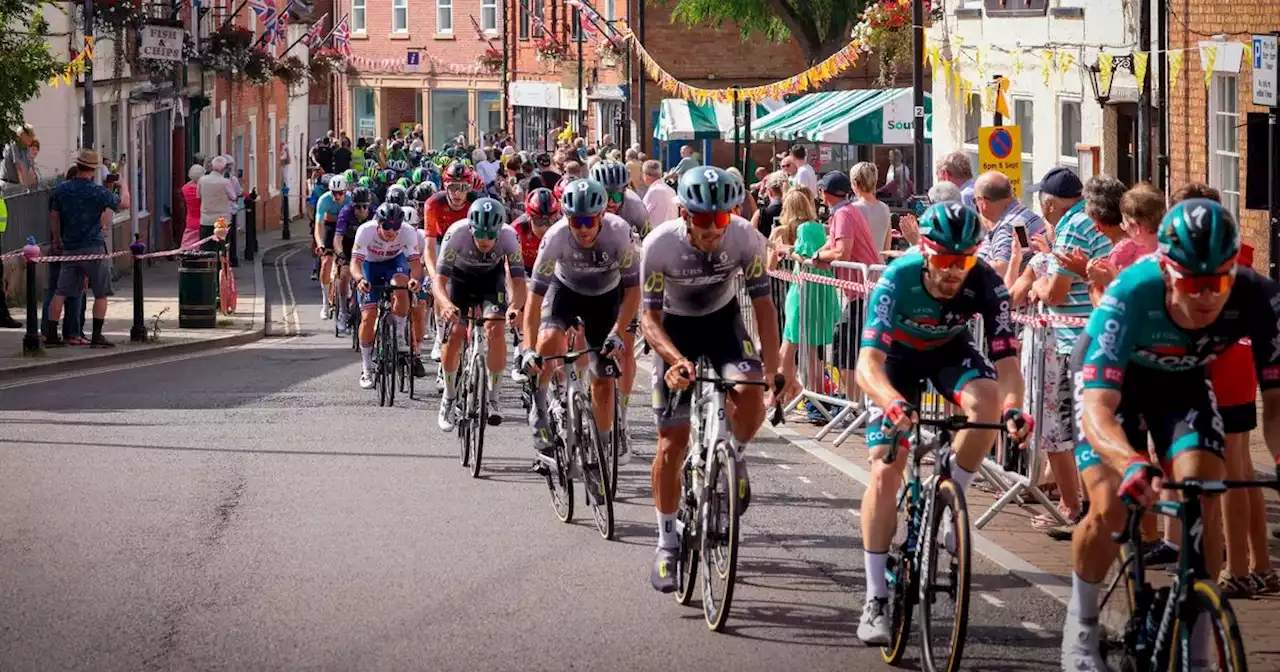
(1101, 89)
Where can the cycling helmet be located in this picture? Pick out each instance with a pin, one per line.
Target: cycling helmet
(365, 182)
(541, 203)
(558, 190)
(612, 174)
(477, 184)
(349, 175)
(400, 166)
(338, 183)
(584, 198)
(398, 195)
(487, 215)
(951, 227)
(411, 217)
(1200, 236)
(405, 182)
(389, 215)
(456, 172)
(387, 176)
(423, 191)
(324, 180)
(361, 195)
(709, 189)
(418, 175)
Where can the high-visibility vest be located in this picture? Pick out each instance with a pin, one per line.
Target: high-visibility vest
(4, 216)
(357, 160)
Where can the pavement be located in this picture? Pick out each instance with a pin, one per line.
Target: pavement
(249, 507)
(160, 317)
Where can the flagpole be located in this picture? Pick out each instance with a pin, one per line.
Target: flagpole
(335, 28)
(269, 30)
(295, 42)
(234, 14)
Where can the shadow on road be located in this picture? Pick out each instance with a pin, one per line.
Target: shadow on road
(201, 449)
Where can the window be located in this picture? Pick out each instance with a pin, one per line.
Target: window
(489, 15)
(272, 164)
(610, 10)
(1023, 113)
(444, 16)
(524, 19)
(972, 122)
(1224, 148)
(400, 16)
(251, 171)
(362, 102)
(540, 14)
(488, 111)
(358, 16)
(448, 115)
(1069, 122)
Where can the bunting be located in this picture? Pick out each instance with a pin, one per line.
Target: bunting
(1046, 65)
(76, 67)
(1140, 59)
(1175, 68)
(1106, 68)
(1210, 59)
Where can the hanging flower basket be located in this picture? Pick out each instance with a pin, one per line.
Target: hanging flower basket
(259, 68)
(157, 69)
(885, 28)
(113, 16)
(491, 60)
(291, 70)
(325, 62)
(611, 52)
(228, 49)
(549, 49)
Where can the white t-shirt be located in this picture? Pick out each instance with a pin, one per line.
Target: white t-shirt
(807, 178)
(372, 248)
(488, 171)
(661, 202)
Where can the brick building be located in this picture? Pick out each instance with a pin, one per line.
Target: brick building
(1211, 126)
(419, 64)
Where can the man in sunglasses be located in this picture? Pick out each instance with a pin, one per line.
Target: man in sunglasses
(541, 210)
(1139, 369)
(691, 311)
(385, 252)
(327, 209)
(443, 210)
(587, 269)
(355, 213)
(478, 260)
(917, 329)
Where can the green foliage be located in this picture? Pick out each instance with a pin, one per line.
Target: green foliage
(26, 61)
(821, 27)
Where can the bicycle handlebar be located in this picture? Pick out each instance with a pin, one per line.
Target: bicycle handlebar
(1190, 487)
(954, 423)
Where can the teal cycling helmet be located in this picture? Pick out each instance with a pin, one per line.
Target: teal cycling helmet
(1200, 236)
(612, 174)
(487, 216)
(710, 189)
(951, 227)
(583, 198)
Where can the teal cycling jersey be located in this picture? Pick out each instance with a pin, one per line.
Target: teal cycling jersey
(903, 316)
(327, 209)
(1131, 327)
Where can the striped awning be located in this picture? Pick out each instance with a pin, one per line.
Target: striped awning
(686, 120)
(856, 117)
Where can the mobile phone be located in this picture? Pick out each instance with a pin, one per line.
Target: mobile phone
(917, 205)
(1021, 231)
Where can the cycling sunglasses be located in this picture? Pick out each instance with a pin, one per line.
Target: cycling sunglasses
(460, 187)
(1193, 284)
(540, 222)
(483, 234)
(617, 196)
(584, 222)
(942, 261)
(708, 220)
(361, 206)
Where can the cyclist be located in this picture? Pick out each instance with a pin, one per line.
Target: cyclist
(397, 194)
(420, 194)
(353, 215)
(327, 209)
(384, 253)
(319, 187)
(918, 329)
(442, 211)
(587, 270)
(477, 260)
(1139, 368)
(691, 311)
(541, 210)
(626, 204)
(418, 310)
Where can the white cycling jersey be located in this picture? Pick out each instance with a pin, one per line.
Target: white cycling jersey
(371, 247)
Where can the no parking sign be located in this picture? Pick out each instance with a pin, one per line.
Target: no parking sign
(1000, 149)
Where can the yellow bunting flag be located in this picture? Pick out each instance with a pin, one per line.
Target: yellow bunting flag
(1248, 51)
(1046, 65)
(927, 57)
(1017, 62)
(1140, 60)
(982, 66)
(1065, 61)
(1106, 67)
(1002, 103)
(1175, 67)
(1210, 58)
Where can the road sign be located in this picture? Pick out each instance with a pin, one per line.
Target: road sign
(1264, 70)
(1000, 149)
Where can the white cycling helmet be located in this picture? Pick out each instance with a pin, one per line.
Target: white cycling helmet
(338, 183)
(411, 217)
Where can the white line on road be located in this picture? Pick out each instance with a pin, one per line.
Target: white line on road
(856, 513)
(784, 467)
(804, 480)
(992, 600)
(1033, 627)
(828, 495)
(761, 453)
(290, 302)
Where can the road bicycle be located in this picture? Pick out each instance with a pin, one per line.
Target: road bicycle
(578, 450)
(1158, 631)
(389, 361)
(711, 496)
(912, 567)
(472, 403)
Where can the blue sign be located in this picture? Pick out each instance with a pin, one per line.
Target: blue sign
(1001, 143)
(415, 57)
(1257, 52)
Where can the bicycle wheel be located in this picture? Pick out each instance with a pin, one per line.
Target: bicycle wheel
(382, 376)
(615, 444)
(944, 599)
(595, 478)
(1205, 601)
(478, 411)
(1118, 603)
(719, 532)
(393, 361)
(558, 480)
(687, 520)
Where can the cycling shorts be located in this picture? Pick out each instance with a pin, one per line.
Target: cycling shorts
(1183, 416)
(947, 367)
(348, 242)
(329, 229)
(564, 309)
(379, 273)
(720, 337)
(1235, 382)
(487, 291)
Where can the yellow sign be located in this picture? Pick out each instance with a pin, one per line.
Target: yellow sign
(1000, 149)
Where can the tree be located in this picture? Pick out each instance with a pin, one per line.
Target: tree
(821, 27)
(26, 61)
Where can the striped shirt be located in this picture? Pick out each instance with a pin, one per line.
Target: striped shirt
(997, 243)
(1075, 230)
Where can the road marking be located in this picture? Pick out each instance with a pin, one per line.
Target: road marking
(804, 480)
(992, 600)
(856, 513)
(1033, 627)
(761, 453)
(784, 467)
(828, 495)
(290, 307)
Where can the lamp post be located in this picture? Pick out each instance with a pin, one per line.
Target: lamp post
(1102, 89)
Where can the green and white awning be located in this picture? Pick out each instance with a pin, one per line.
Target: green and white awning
(686, 120)
(858, 117)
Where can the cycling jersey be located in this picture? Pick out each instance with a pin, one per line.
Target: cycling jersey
(592, 271)
(635, 213)
(441, 215)
(459, 255)
(904, 317)
(528, 241)
(327, 208)
(1131, 329)
(371, 247)
(682, 280)
(348, 221)
(317, 190)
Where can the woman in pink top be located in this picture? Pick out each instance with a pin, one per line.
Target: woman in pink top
(1141, 209)
(191, 197)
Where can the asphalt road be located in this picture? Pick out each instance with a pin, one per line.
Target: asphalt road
(252, 508)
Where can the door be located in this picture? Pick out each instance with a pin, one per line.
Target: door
(1126, 142)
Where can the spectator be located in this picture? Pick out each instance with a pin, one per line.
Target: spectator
(865, 176)
(798, 236)
(688, 160)
(635, 170)
(76, 218)
(898, 182)
(943, 192)
(573, 170)
(1001, 213)
(342, 156)
(659, 198)
(804, 172)
(606, 144)
(18, 167)
(358, 156)
(788, 167)
(191, 199)
(767, 215)
(549, 177)
(1102, 195)
(217, 196)
(956, 169)
(487, 168)
(580, 148)
(322, 155)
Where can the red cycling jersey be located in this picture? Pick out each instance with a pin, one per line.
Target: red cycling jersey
(529, 242)
(441, 216)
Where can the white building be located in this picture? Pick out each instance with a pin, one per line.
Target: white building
(985, 38)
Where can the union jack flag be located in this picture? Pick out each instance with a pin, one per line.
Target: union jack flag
(342, 35)
(277, 28)
(314, 36)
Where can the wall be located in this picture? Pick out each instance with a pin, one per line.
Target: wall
(54, 112)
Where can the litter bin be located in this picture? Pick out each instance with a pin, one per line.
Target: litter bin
(197, 290)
